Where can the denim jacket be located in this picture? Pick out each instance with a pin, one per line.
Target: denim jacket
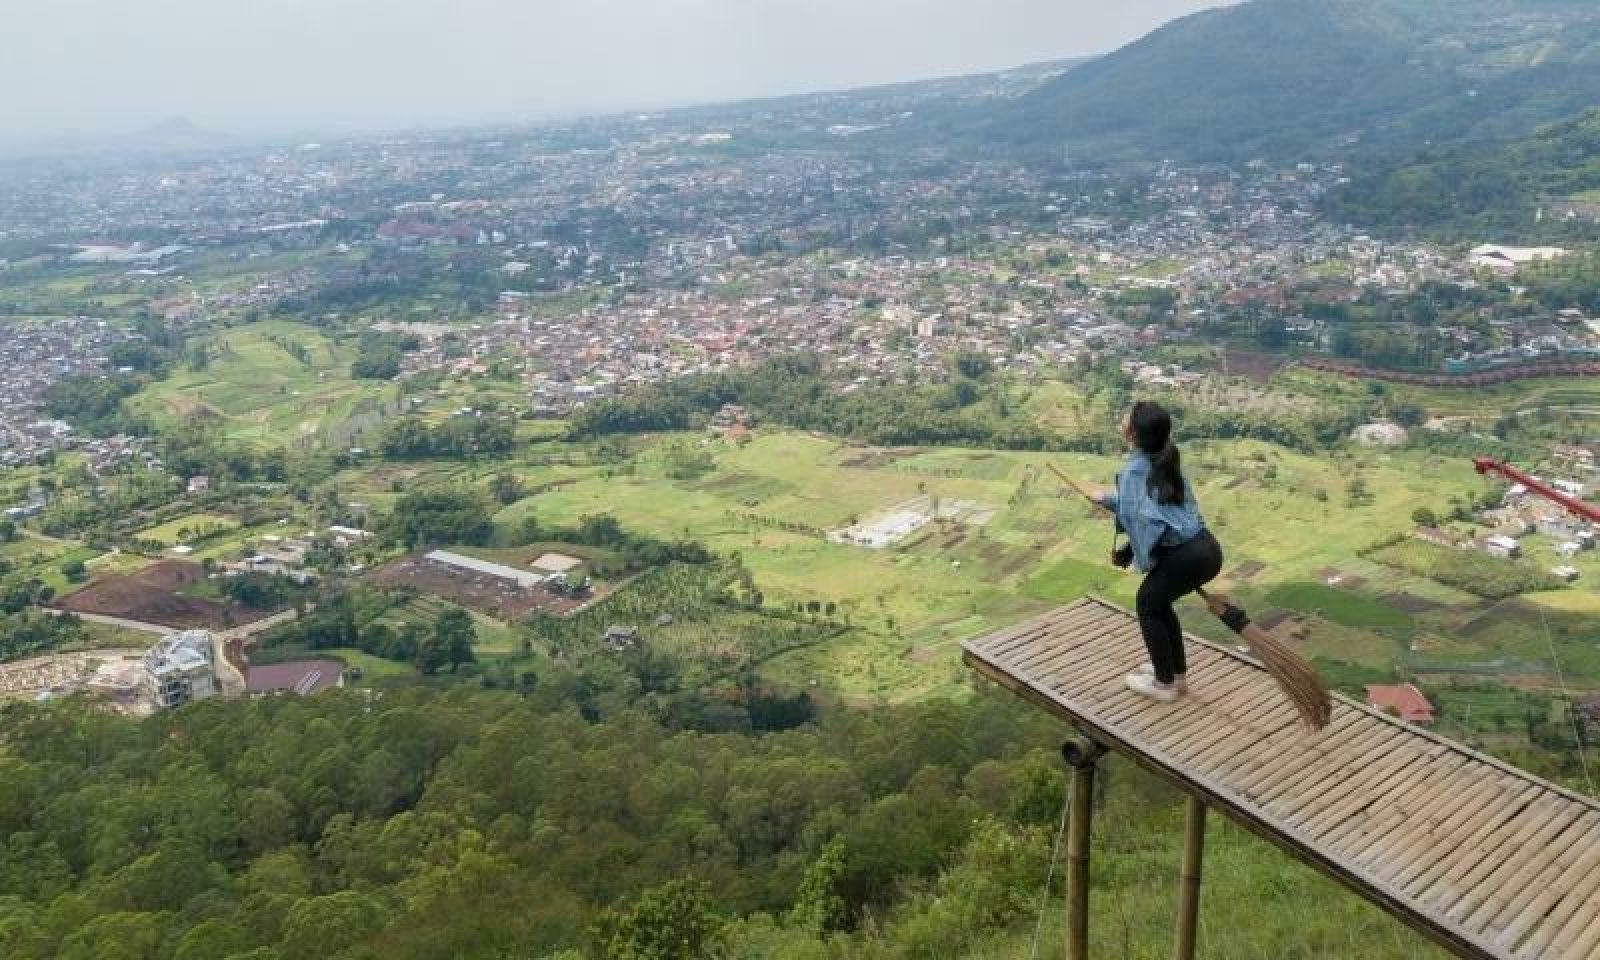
(1147, 522)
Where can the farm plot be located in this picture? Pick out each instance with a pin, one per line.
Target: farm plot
(155, 595)
(481, 592)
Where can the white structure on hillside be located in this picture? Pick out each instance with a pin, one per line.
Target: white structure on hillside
(499, 571)
(1507, 260)
(180, 668)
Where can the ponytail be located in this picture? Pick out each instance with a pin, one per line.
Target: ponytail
(1166, 475)
(1151, 428)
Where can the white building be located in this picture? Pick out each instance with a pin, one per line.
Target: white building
(1507, 260)
(180, 669)
(1502, 546)
(499, 571)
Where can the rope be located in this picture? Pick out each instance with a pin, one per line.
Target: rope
(1572, 715)
(1050, 874)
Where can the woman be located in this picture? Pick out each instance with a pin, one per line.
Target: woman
(1167, 541)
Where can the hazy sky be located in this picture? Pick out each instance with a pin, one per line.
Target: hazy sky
(74, 67)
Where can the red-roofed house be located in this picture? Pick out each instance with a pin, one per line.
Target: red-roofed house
(1404, 701)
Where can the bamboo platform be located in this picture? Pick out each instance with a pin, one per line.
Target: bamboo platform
(1487, 860)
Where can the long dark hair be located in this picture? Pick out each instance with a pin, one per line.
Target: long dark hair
(1151, 426)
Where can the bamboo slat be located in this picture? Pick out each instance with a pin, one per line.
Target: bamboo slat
(1485, 859)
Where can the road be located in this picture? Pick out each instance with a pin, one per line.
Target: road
(227, 651)
(138, 625)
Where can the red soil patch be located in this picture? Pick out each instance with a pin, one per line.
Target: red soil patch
(152, 596)
(488, 595)
(1255, 366)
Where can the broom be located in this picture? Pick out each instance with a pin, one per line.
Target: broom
(1297, 678)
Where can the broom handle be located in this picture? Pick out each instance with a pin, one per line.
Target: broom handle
(1076, 487)
(1216, 603)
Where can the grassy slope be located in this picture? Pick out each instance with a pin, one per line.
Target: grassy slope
(259, 392)
(912, 604)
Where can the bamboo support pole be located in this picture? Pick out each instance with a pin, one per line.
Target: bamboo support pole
(1194, 837)
(1082, 756)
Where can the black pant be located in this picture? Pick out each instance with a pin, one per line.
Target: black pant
(1179, 570)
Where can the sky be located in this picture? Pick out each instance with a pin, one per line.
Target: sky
(89, 68)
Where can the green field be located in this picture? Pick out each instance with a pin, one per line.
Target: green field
(909, 605)
(188, 528)
(1340, 606)
(260, 393)
(495, 639)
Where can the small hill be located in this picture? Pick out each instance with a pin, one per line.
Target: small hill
(1293, 78)
(177, 134)
(1541, 187)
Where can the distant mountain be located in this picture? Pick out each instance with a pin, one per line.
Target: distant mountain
(177, 134)
(173, 135)
(1292, 78)
(1543, 187)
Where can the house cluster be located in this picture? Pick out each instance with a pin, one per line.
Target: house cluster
(1521, 514)
(35, 355)
(286, 556)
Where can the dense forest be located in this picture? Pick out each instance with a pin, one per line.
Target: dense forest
(1289, 79)
(425, 821)
(1539, 189)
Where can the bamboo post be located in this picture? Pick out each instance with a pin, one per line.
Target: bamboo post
(1194, 837)
(1082, 754)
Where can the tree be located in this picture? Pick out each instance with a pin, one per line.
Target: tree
(74, 570)
(675, 921)
(973, 365)
(325, 926)
(506, 487)
(431, 655)
(454, 633)
(440, 516)
(818, 906)
(1424, 517)
(600, 531)
(115, 936)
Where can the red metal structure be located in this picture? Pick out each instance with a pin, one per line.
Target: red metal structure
(1587, 511)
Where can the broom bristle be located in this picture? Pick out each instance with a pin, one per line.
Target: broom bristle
(1298, 679)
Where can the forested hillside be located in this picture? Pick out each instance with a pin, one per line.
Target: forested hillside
(1543, 187)
(412, 822)
(1290, 78)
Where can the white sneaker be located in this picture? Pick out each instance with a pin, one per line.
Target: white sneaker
(1180, 681)
(1146, 686)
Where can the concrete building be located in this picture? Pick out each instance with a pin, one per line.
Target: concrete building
(179, 668)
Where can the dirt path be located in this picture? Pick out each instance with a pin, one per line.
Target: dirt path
(101, 618)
